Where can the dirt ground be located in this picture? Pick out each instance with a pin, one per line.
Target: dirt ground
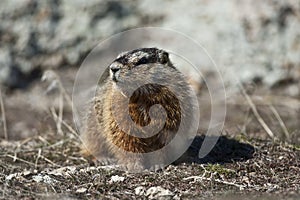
(50, 167)
(38, 161)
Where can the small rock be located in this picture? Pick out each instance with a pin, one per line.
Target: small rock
(10, 177)
(38, 178)
(140, 190)
(81, 190)
(27, 172)
(280, 157)
(116, 178)
(155, 192)
(43, 178)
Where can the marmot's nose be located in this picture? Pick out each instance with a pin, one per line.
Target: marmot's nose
(114, 69)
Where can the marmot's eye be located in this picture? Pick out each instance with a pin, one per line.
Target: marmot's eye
(165, 57)
(142, 61)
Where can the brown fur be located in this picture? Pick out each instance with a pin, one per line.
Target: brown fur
(103, 137)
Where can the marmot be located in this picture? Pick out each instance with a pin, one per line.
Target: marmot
(133, 83)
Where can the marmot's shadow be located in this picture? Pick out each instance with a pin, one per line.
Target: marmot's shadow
(225, 151)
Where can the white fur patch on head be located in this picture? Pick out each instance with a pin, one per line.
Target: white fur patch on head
(137, 56)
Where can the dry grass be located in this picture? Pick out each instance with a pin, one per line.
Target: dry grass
(52, 167)
(49, 165)
(3, 116)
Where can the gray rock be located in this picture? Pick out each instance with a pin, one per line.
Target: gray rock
(46, 29)
(246, 40)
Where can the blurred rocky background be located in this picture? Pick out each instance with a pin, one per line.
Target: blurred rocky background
(258, 40)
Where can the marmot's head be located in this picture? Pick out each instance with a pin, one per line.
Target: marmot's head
(144, 66)
(138, 60)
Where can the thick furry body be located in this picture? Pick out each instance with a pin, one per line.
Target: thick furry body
(108, 132)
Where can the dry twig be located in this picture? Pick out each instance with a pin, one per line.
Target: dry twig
(200, 178)
(282, 124)
(3, 116)
(20, 159)
(256, 114)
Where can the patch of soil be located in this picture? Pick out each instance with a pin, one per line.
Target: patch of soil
(51, 167)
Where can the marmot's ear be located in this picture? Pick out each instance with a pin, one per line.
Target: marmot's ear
(163, 57)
